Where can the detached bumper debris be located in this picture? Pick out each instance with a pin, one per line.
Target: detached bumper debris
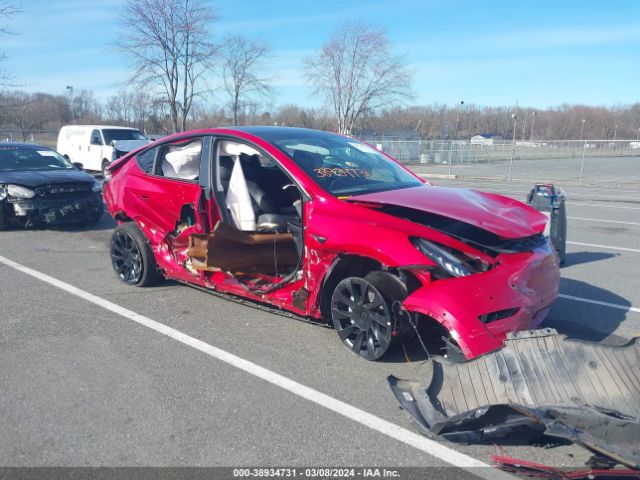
(539, 383)
(537, 470)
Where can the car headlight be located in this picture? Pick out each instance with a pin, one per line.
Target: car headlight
(19, 192)
(97, 187)
(447, 261)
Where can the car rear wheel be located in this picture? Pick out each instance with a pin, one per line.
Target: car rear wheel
(362, 318)
(131, 256)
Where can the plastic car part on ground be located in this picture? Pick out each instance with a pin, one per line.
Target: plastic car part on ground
(539, 383)
(537, 470)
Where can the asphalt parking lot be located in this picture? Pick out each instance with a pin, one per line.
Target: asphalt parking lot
(86, 382)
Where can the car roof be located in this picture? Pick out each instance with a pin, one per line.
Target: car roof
(23, 145)
(101, 126)
(264, 130)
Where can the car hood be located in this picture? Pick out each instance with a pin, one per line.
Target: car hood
(35, 178)
(497, 214)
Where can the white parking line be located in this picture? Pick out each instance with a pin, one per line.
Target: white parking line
(569, 189)
(575, 195)
(578, 204)
(604, 247)
(598, 302)
(378, 424)
(584, 219)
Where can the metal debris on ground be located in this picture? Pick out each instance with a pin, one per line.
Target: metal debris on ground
(539, 383)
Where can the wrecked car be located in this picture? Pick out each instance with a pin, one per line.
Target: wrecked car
(329, 228)
(38, 187)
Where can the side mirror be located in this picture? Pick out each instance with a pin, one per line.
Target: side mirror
(78, 165)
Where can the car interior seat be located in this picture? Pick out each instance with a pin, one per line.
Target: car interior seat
(269, 216)
(182, 161)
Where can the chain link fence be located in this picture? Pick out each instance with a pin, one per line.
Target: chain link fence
(42, 137)
(586, 161)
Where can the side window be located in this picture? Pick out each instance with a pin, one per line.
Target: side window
(145, 160)
(95, 138)
(180, 160)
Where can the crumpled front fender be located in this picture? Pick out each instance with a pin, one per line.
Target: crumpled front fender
(529, 284)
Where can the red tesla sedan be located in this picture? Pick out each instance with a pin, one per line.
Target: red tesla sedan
(329, 228)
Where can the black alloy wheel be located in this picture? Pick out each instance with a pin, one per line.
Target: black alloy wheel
(131, 256)
(361, 318)
(126, 258)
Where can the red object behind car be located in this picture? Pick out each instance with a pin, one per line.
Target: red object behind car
(327, 227)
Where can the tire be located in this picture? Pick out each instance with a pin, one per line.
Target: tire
(362, 318)
(2, 220)
(105, 164)
(131, 256)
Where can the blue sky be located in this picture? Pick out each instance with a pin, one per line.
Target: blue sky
(540, 53)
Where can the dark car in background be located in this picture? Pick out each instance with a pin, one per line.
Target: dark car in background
(39, 187)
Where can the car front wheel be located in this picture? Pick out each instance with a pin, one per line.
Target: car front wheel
(362, 318)
(131, 256)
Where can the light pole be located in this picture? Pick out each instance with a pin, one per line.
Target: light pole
(615, 132)
(513, 144)
(533, 121)
(457, 118)
(582, 129)
(638, 134)
(70, 89)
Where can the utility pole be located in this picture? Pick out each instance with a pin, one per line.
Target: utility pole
(70, 89)
(457, 118)
(513, 144)
(582, 129)
(615, 132)
(533, 120)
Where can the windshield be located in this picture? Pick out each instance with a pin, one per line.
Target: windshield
(344, 166)
(16, 158)
(111, 134)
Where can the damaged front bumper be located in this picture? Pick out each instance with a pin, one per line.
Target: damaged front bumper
(480, 310)
(42, 211)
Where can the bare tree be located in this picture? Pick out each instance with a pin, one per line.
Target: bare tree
(242, 62)
(21, 113)
(168, 44)
(7, 10)
(357, 73)
(120, 107)
(85, 107)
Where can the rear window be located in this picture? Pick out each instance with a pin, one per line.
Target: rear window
(145, 160)
(14, 158)
(116, 134)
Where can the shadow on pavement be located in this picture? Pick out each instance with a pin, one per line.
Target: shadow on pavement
(587, 321)
(577, 258)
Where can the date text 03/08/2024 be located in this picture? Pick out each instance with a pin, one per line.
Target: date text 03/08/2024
(315, 473)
